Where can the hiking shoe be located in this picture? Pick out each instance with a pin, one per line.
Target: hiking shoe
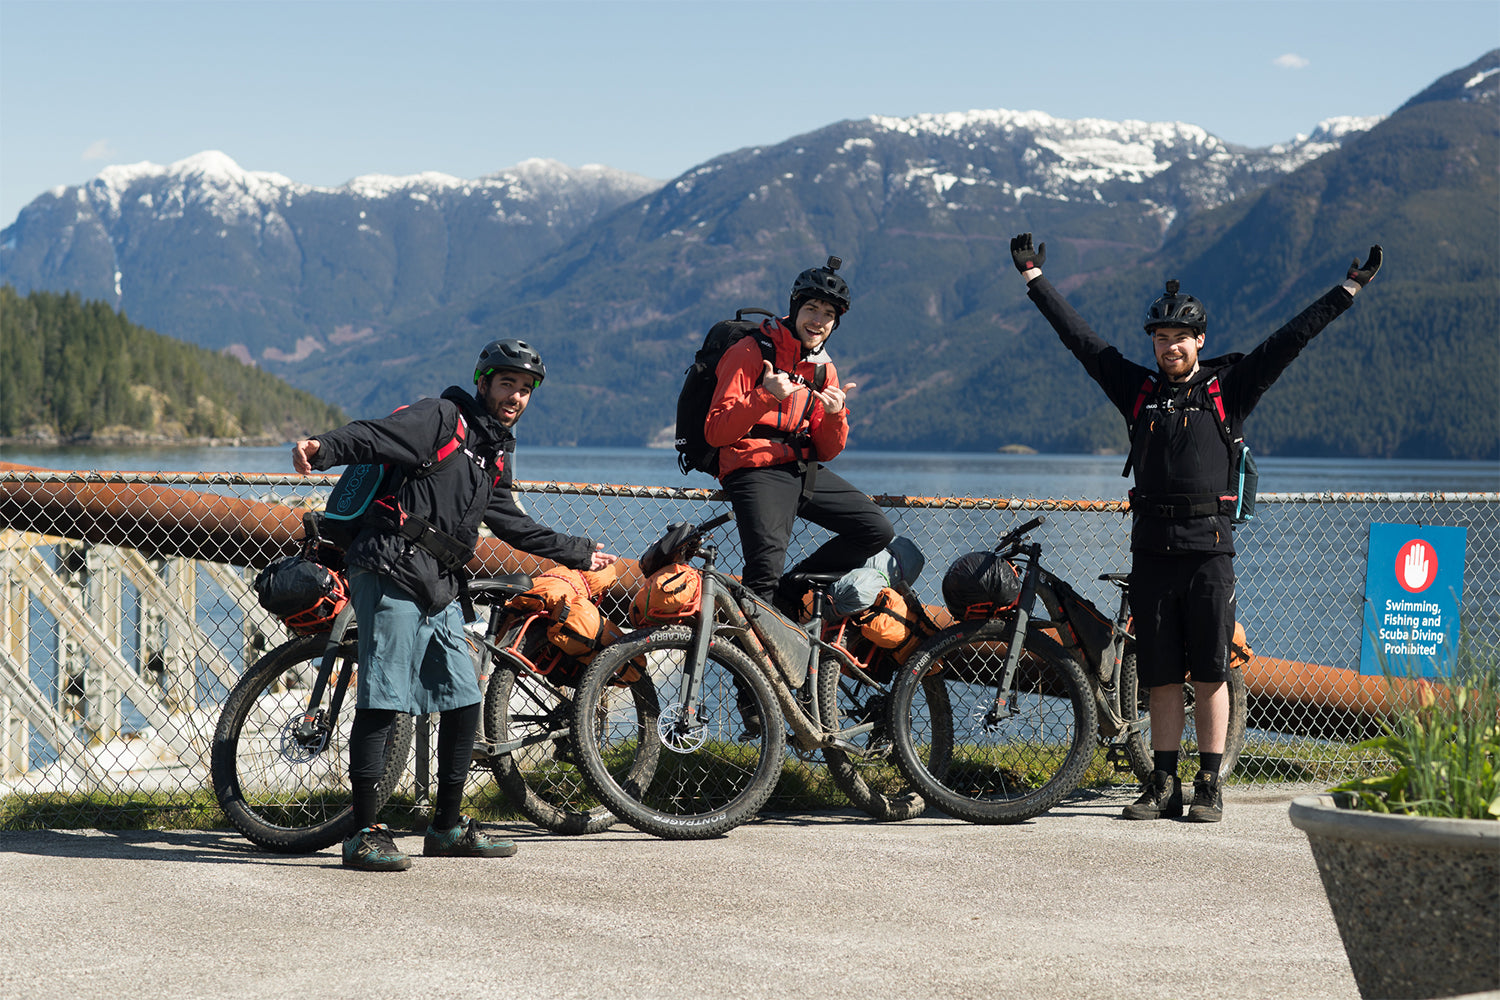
(1161, 798)
(464, 841)
(1208, 798)
(374, 850)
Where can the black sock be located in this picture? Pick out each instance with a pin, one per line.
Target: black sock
(1166, 760)
(367, 736)
(456, 729)
(1211, 762)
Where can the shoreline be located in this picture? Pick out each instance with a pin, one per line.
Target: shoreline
(146, 441)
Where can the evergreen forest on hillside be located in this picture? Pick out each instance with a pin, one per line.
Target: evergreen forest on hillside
(77, 370)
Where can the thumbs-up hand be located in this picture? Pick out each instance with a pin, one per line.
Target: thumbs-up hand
(832, 397)
(776, 383)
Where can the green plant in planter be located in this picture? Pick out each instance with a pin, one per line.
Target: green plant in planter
(1445, 742)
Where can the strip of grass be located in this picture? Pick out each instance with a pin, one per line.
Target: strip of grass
(801, 788)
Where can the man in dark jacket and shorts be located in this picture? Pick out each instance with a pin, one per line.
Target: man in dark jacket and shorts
(1182, 583)
(412, 652)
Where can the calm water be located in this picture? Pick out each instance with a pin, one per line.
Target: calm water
(928, 474)
(1076, 477)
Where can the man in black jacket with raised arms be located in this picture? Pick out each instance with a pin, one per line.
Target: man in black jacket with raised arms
(412, 653)
(1182, 547)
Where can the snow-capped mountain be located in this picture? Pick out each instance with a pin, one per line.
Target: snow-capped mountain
(270, 268)
(366, 293)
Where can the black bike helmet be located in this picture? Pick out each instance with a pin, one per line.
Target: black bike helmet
(1176, 309)
(821, 283)
(509, 355)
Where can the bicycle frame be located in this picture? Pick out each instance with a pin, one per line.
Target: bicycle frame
(317, 724)
(1068, 612)
(720, 613)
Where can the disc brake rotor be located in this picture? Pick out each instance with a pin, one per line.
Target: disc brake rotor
(299, 747)
(678, 737)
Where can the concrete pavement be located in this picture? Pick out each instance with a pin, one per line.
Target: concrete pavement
(1075, 903)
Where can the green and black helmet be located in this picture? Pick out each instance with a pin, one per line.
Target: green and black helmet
(509, 355)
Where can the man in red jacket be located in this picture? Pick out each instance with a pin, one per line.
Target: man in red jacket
(775, 424)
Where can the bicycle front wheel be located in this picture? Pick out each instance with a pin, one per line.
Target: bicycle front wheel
(719, 758)
(869, 776)
(288, 793)
(1010, 759)
(1138, 746)
(542, 777)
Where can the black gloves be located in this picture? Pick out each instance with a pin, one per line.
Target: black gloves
(1357, 274)
(1026, 256)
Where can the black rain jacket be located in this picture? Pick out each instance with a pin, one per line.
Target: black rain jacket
(473, 485)
(1184, 452)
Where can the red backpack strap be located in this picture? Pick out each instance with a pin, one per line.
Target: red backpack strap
(459, 433)
(1216, 396)
(1147, 388)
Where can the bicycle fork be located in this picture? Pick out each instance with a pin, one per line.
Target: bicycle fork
(1005, 705)
(315, 728)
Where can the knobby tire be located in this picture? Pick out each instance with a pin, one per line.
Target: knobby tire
(872, 782)
(717, 776)
(998, 770)
(543, 780)
(278, 803)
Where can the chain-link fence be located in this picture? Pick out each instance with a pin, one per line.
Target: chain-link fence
(129, 615)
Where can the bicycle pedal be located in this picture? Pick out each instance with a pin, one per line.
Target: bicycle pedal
(1116, 758)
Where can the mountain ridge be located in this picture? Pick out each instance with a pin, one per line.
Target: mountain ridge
(921, 208)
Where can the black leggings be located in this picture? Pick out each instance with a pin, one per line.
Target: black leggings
(767, 503)
(455, 750)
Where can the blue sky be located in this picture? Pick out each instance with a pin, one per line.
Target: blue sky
(326, 91)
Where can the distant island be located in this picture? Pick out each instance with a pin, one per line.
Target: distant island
(79, 373)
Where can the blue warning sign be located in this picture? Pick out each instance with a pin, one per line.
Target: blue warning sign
(1414, 585)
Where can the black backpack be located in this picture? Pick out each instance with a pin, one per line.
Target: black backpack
(368, 491)
(693, 450)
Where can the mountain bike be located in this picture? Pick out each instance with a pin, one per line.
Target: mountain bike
(1027, 700)
(280, 753)
(730, 682)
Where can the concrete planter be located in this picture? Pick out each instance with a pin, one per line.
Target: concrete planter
(1416, 899)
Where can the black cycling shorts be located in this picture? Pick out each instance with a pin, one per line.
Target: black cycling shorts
(1184, 610)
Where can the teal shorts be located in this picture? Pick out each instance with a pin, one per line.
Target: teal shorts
(408, 661)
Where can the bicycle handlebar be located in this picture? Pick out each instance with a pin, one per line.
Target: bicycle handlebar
(713, 523)
(1016, 534)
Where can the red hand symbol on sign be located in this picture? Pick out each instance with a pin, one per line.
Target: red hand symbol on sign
(1416, 566)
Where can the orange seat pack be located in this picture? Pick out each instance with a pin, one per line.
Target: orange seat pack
(672, 594)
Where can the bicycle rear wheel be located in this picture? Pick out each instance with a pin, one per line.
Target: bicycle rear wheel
(872, 780)
(708, 779)
(542, 778)
(1138, 746)
(1007, 763)
(284, 794)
